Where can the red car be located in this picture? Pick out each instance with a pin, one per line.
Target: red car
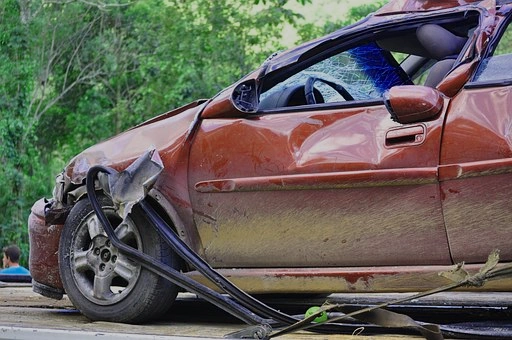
(368, 160)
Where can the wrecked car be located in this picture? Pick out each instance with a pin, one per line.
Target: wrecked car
(368, 160)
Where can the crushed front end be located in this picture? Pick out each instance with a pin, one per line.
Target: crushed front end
(45, 225)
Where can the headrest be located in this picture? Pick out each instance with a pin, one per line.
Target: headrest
(439, 42)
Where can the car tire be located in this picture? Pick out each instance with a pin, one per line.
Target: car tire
(103, 283)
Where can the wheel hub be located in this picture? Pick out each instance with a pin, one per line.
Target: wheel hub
(102, 256)
(103, 274)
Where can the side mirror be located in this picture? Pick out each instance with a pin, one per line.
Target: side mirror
(245, 96)
(413, 103)
(234, 102)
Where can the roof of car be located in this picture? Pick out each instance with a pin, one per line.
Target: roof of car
(393, 7)
(401, 6)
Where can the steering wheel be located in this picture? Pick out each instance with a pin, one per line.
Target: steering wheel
(309, 89)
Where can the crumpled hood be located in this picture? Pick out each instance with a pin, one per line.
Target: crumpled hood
(165, 133)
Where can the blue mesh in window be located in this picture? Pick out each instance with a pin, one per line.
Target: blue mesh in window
(379, 67)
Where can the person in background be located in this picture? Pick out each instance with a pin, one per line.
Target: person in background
(11, 262)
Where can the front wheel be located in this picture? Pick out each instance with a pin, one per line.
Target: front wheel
(103, 283)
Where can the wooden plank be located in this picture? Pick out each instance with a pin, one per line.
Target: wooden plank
(20, 308)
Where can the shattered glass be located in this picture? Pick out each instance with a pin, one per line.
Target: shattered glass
(366, 72)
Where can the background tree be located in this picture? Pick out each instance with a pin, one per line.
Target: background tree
(309, 31)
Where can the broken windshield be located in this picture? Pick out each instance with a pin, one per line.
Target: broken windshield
(365, 72)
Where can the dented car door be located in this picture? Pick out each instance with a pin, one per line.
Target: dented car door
(330, 186)
(322, 170)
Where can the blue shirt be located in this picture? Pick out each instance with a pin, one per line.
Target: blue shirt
(15, 271)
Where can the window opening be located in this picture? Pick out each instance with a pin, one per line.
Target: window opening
(496, 67)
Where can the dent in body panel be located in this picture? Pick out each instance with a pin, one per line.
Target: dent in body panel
(170, 137)
(340, 142)
(166, 135)
(476, 174)
(479, 126)
(323, 221)
(306, 143)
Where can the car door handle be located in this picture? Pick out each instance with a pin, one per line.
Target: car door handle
(404, 136)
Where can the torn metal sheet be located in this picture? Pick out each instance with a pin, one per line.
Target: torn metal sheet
(131, 185)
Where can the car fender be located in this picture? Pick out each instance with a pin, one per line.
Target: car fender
(169, 134)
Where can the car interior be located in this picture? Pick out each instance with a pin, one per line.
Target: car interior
(424, 53)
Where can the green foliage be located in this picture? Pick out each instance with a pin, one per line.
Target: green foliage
(19, 189)
(76, 72)
(311, 31)
(281, 2)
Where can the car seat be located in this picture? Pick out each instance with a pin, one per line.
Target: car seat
(441, 45)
